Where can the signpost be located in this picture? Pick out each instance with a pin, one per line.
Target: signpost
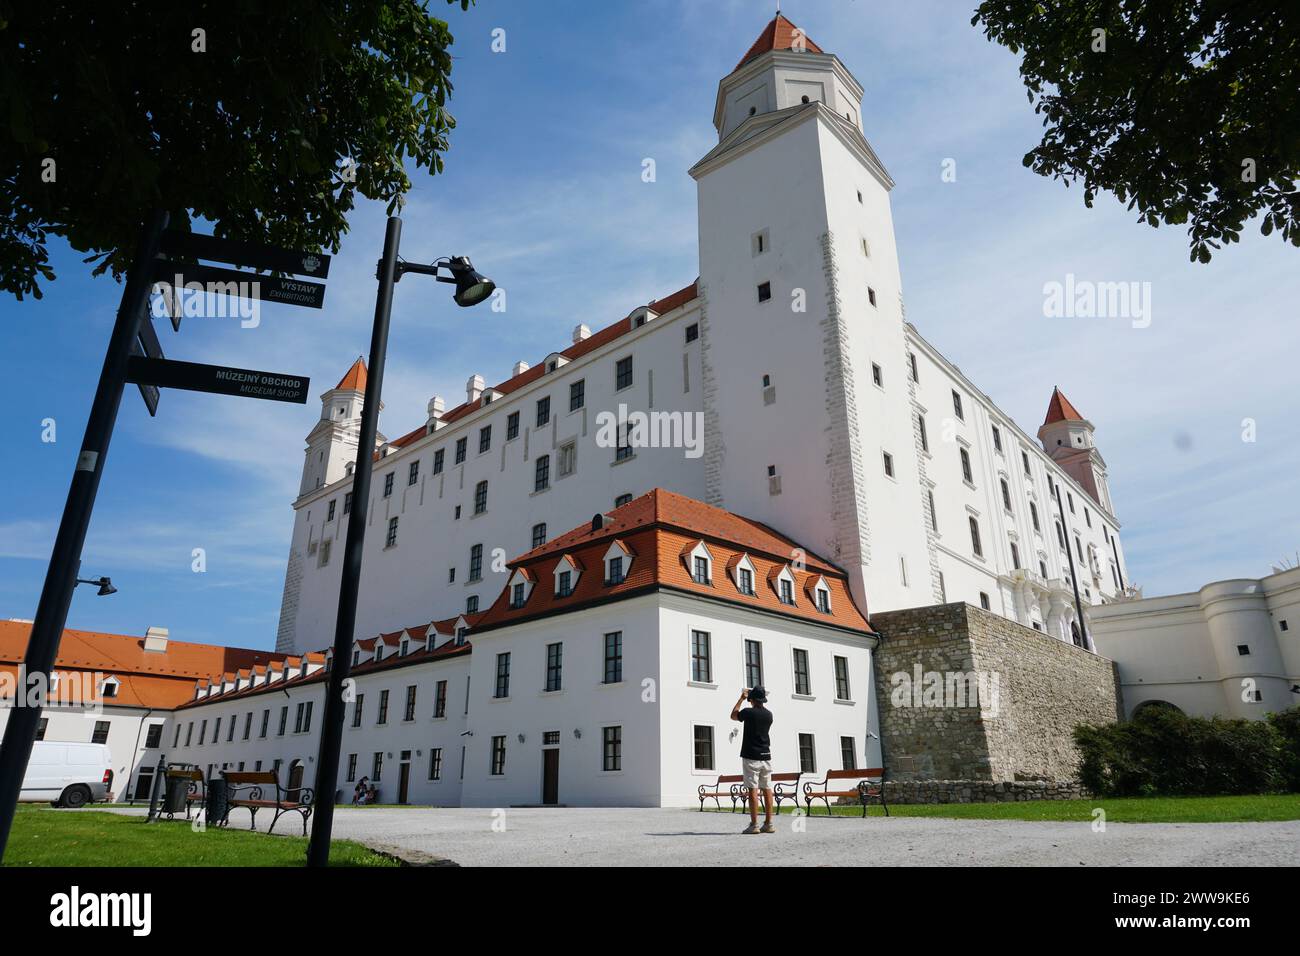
(192, 245)
(218, 379)
(176, 271)
(135, 355)
(247, 285)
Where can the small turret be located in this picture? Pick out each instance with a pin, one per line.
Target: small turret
(1067, 438)
(332, 444)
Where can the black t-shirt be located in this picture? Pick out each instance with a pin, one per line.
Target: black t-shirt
(755, 745)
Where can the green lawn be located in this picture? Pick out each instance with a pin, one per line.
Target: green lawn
(1118, 810)
(45, 837)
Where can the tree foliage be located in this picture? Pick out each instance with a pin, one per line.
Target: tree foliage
(245, 113)
(1186, 110)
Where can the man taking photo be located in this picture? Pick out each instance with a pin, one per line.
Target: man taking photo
(756, 754)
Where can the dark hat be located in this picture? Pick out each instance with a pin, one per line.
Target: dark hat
(758, 694)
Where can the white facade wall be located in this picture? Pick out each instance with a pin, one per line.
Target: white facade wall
(410, 582)
(578, 711)
(656, 705)
(1032, 599)
(1187, 649)
(686, 703)
(395, 737)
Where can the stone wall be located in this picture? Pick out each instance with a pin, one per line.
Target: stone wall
(980, 791)
(968, 697)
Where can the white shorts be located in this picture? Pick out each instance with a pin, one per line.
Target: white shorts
(758, 773)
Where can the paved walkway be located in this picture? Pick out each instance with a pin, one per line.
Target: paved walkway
(659, 837)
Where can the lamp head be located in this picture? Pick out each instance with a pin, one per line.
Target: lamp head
(471, 287)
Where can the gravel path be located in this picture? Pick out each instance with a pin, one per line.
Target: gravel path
(656, 837)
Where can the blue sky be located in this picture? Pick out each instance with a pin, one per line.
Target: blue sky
(543, 189)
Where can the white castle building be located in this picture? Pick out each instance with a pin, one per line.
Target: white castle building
(560, 598)
(785, 383)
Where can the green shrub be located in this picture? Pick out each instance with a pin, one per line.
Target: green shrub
(1287, 724)
(1164, 752)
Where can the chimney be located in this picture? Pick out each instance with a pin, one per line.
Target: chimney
(580, 332)
(436, 408)
(519, 369)
(155, 640)
(473, 388)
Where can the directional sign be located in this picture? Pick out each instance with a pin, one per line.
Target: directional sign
(149, 393)
(248, 285)
(193, 245)
(219, 379)
(148, 346)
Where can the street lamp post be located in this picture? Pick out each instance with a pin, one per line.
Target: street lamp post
(471, 289)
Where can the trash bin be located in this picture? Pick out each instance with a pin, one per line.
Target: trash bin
(178, 789)
(218, 801)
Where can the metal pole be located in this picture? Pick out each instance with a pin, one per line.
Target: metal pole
(154, 790)
(1074, 575)
(65, 561)
(331, 739)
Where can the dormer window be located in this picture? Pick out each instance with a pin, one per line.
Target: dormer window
(618, 559)
(782, 581)
(699, 563)
(567, 573)
(700, 570)
(823, 600)
(741, 570)
(517, 595)
(379, 651)
(403, 648)
(109, 687)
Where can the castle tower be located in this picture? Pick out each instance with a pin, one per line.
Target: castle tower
(1067, 438)
(332, 443)
(803, 333)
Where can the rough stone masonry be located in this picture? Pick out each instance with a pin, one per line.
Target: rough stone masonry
(1009, 739)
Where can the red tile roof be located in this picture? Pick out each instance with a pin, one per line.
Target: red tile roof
(160, 680)
(778, 35)
(661, 528)
(576, 350)
(355, 378)
(1059, 409)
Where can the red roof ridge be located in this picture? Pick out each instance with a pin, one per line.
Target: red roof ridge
(354, 379)
(578, 349)
(779, 34)
(1060, 409)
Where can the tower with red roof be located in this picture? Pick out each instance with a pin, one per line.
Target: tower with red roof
(1067, 438)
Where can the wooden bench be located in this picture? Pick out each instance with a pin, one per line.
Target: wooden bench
(785, 786)
(735, 784)
(870, 785)
(251, 789)
(196, 791)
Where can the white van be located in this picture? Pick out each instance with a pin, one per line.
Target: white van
(67, 774)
